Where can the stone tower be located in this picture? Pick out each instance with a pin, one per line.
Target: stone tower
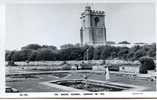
(93, 31)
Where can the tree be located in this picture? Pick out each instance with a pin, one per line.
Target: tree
(33, 56)
(97, 53)
(46, 54)
(106, 52)
(35, 52)
(110, 42)
(75, 54)
(10, 58)
(89, 53)
(124, 42)
(147, 63)
(143, 70)
(152, 53)
(152, 50)
(49, 47)
(66, 46)
(65, 54)
(31, 46)
(139, 53)
(132, 52)
(24, 55)
(8, 55)
(123, 51)
(77, 45)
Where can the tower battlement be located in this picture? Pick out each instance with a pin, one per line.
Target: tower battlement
(88, 10)
(94, 12)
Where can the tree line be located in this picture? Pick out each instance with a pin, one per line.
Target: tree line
(36, 52)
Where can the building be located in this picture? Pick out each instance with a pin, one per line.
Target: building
(99, 68)
(126, 45)
(130, 68)
(93, 31)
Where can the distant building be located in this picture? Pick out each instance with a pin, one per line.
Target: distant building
(127, 45)
(129, 68)
(99, 68)
(93, 31)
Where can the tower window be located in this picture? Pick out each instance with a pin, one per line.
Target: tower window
(96, 21)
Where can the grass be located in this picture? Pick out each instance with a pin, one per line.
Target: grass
(23, 76)
(60, 75)
(33, 85)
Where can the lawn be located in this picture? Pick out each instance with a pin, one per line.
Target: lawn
(31, 82)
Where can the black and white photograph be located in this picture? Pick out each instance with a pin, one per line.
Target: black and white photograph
(80, 47)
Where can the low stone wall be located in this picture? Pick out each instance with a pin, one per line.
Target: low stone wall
(51, 63)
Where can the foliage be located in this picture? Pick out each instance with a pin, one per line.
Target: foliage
(124, 42)
(35, 52)
(111, 42)
(66, 46)
(147, 63)
(31, 46)
(143, 70)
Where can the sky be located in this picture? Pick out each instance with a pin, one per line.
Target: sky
(58, 24)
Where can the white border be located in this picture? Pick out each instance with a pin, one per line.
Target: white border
(78, 1)
(52, 94)
(2, 48)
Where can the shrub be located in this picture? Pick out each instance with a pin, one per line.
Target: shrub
(66, 67)
(11, 63)
(113, 68)
(143, 70)
(86, 66)
(147, 63)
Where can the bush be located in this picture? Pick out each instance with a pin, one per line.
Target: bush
(113, 68)
(66, 67)
(86, 67)
(147, 63)
(11, 63)
(143, 70)
(35, 52)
